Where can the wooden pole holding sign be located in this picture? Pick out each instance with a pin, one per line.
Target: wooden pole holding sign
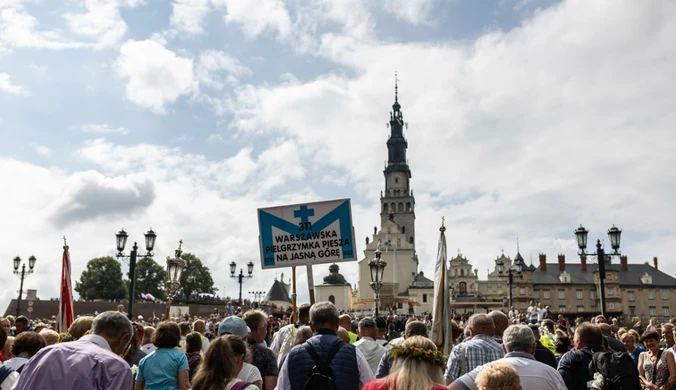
(311, 283)
(294, 314)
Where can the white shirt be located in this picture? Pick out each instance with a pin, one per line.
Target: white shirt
(541, 314)
(148, 348)
(372, 351)
(249, 373)
(233, 382)
(9, 381)
(533, 374)
(283, 342)
(205, 344)
(365, 374)
(15, 363)
(530, 310)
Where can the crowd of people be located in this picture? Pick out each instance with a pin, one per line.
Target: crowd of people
(323, 349)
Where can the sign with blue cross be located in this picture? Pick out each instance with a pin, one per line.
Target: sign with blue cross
(306, 234)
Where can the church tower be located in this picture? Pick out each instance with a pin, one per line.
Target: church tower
(396, 234)
(398, 196)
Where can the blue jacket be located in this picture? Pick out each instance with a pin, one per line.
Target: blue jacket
(344, 364)
(574, 368)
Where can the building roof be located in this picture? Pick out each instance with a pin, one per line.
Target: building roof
(420, 281)
(334, 277)
(277, 293)
(632, 277)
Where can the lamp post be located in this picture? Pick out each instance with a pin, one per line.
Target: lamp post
(175, 268)
(614, 234)
(121, 238)
(257, 295)
(377, 268)
(241, 277)
(518, 263)
(22, 275)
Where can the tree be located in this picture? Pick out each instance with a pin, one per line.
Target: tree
(150, 278)
(196, 277)
(102, 279)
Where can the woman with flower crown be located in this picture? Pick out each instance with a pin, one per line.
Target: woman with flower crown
(418, 365)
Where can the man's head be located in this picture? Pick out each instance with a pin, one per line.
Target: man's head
(500, 321)
(604, 328)
(120, 308)
(28, 344)
(549, 325)
(147, 334)
(342, 333)
(324, 315)
(535, 328)
(185, 327)
(481, 324)
(381, 322)
(518, 338)
(345, 321)
(415, 328)
(199, 326)
(587, 335)
(257, 321)
(304, 313)
(233, 325)
(115, 328)
(21, 324)
(368, 328)
(51, 336)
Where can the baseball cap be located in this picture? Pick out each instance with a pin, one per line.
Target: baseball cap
(233, 325)
(367, 322)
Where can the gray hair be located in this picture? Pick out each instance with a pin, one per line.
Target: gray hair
(481, 323)
(148, 332)
(112, 323)
(518, 338)
(302, 335)
(324, 313)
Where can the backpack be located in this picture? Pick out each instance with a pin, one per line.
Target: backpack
(618, 369)
(4, 373)
(321, 376)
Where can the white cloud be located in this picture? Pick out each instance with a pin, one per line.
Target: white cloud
(103, 128)
(258, 17)
(157, 76)
(43, 150)
(216, 68)
(188, 16)
(412, 11)
(101, 22)
(19, 29)
(7, 86)
(215, 138)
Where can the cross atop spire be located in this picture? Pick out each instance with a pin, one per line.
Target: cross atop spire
(396, 87)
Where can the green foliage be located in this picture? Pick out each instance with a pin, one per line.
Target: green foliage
(102, 279)
(150, 278)
(196, 277)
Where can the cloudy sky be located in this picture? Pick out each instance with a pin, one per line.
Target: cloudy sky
(525, 118)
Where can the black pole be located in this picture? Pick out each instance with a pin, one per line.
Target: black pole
(132, 281)
(510, 289)
(241, 280)
(23, 275)
(601, 256)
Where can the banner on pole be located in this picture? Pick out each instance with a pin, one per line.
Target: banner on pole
(306, 234)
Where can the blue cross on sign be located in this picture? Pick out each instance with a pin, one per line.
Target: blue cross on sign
(304, 213)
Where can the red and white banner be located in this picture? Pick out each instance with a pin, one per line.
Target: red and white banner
(65, 316)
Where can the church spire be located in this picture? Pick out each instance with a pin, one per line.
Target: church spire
(396, 107)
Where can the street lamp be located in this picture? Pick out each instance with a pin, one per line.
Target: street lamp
(614, 234)
(257, 295)
(121, 240)
(518, 263)
(377, 268)
(22, 275)
(241, 277)
(175, 268)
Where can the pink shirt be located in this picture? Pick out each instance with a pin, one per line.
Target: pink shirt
(84, 364)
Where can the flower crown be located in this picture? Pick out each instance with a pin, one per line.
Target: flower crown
(435, 357)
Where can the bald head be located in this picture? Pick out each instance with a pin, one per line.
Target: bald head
(481, 324)
(500, 321)
(342, 333)
(345, 321)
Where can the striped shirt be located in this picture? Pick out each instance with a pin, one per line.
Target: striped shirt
(480, 350)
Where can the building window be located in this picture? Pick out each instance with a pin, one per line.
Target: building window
(580, 308)
(546, 294)
(666, 311)
(610, 291)
(424, 298)
(562, 294)
(632, 298)
(664, 295)
(653, 311)
(632, 310)
(536, 294)
(562, 309)
(651, 294)
(523, 305)
(579, 294)
(592, 294)
(400, 305)
(522, 291)
(612, 305)
(332, 299)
